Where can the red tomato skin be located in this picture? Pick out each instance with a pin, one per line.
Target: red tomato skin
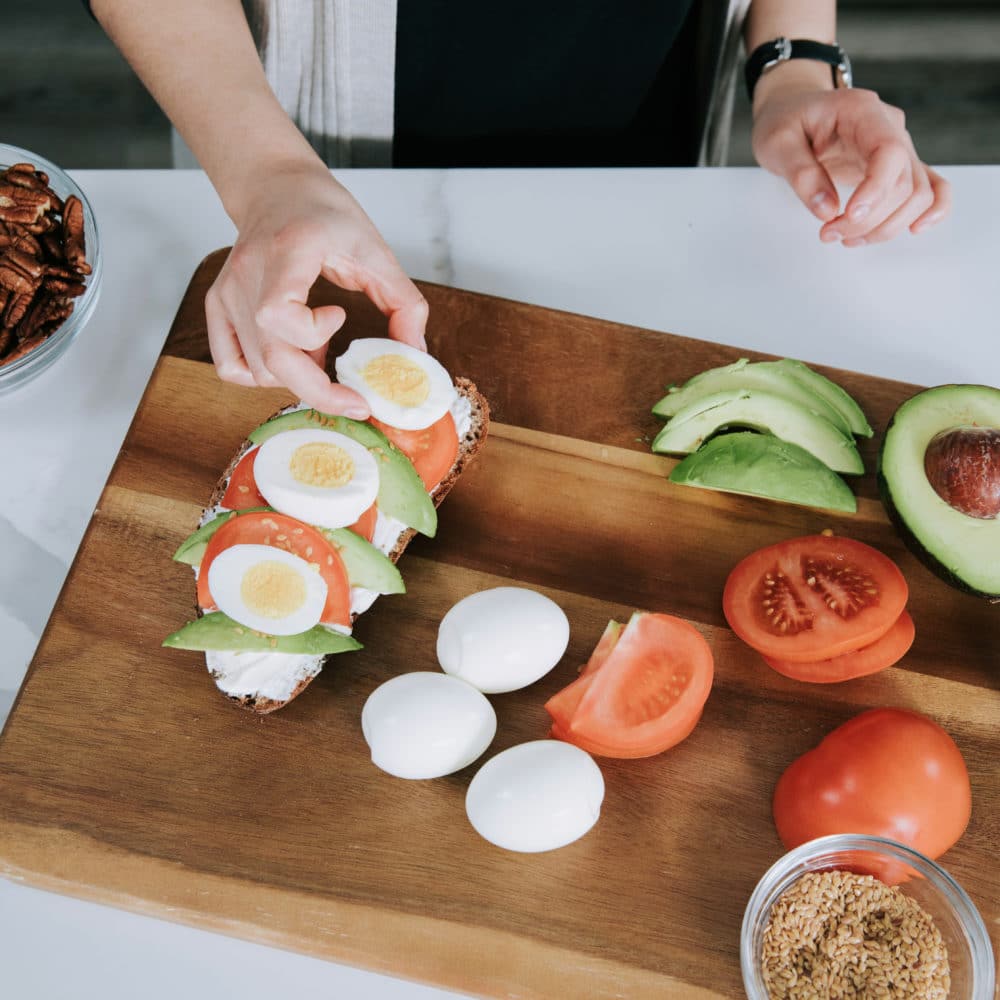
(365, 525)
(241, 490)
(884, 652)
(432, 451)
(829, 635)
(887, 772)
(263, 528)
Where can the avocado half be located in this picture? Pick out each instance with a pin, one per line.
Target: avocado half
(962, 550)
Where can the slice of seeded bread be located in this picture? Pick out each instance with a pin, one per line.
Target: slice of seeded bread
(468, 448)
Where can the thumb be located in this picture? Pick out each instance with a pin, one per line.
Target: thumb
(790, 155)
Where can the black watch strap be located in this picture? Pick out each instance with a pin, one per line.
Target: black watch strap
(781, 49)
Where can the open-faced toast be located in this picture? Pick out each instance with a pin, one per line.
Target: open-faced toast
(261, 680)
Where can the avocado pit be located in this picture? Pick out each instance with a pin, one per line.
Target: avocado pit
(962, 464)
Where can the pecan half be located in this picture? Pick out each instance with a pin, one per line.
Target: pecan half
(73, 240)
(25, 347)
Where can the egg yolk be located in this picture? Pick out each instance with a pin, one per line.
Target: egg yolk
(398, 379)
(272, 589)
(321, 464)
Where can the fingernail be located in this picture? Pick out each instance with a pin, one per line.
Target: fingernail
(423, 344)
(822, 203)
(859, 212)
(830, 236)
(859, 241)
(356, 412)
(931, 220)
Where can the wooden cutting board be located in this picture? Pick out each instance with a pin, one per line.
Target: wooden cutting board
(126, 778)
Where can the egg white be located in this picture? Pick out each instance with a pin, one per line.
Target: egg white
(502, 639)
(425, 725)
(535, 796)
(351, 367)
(225, 582)
(328, 507)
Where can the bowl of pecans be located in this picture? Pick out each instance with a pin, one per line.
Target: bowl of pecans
(50, 264)
(822, 923)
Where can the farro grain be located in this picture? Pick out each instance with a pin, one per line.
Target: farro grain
(839, 935)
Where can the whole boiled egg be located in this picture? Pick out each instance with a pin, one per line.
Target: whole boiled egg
(535, 796)
(267, 589)
(426, 725)
(404, 387)
(319, 476)
(502, 639)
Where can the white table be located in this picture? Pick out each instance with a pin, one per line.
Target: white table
(724, 255)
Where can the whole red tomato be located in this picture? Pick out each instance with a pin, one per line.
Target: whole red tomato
(886, 772)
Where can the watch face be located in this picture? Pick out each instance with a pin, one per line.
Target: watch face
(845, 77)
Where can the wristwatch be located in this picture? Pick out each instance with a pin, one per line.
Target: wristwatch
(768, 55)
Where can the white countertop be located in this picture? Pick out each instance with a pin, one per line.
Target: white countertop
(722, 255)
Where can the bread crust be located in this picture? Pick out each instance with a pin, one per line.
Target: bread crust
(468, 447)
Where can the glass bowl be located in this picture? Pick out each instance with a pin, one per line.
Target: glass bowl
(969, 952)
(16, 373)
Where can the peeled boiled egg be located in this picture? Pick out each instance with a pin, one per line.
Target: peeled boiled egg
(318, 476)
(404, 387)
(267, 589)
(536, 796)
(502, 639)
(425, 725)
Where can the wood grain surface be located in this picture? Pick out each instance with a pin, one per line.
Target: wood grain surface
(127, 778)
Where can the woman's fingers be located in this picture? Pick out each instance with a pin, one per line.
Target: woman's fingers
(300, 373)
(940, 206)
(224, 345)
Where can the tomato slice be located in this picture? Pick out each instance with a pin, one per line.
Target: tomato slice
(365, 525)
(282, 532)
(646, 696)
(609, 639)
(432, 450)
(813, 598)
(878, 655)
(242, 492)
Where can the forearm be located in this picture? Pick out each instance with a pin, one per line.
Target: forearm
(198, 60)
(769, 19)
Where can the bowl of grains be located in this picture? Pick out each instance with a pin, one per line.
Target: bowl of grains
(821, 924)
(50, 264)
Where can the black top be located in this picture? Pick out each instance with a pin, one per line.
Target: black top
(545, 83)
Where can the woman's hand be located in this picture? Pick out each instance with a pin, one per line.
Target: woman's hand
(298, 224)
(817, 138)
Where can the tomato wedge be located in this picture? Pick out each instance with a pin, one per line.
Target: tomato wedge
(641, 693)
(813, 598)
(242, 492)
(282, 532)
(870, 659)
(365, 525)
(432, 450)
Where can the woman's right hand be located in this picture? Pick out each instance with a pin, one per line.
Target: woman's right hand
(299, 224)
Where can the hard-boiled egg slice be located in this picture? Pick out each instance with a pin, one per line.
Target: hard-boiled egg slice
(425, 725)
(404, 387)
(535, 796)
(267, 589)
(319, 476)
(502, 639)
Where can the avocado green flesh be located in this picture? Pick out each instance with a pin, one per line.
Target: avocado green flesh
(762, 411)
(366, 566)
(764, 466)
(401, 492)
(964, 550)
(217, 631)
(764, 376)
(837, 396)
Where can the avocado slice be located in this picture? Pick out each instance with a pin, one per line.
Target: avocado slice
(218, 631)
(763, 411)
(401, 493)
(961, 549)
(766, 376)
(366, 566)
(764, 466)
(838, 397)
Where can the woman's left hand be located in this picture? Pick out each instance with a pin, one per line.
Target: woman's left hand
(818, 138)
